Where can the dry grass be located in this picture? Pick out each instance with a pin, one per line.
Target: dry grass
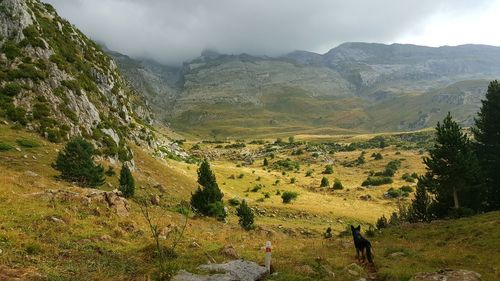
(95, 244)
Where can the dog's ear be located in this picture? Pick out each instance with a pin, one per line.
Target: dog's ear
(352, 228)
(359, 227)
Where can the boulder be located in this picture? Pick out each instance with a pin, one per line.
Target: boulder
(238, 270)
(155, 200)
(448, 275)
(229, 251)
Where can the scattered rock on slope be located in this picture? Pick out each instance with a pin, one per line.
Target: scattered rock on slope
(448, 275)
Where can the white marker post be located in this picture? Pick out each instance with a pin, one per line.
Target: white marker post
(267, 260)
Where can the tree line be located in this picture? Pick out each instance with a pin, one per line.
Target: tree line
(463, 170)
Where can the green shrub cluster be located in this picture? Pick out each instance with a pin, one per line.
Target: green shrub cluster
(288, 196)
(287, 164)
(376, 181)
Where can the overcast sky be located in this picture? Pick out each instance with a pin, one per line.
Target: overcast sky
(172, 31)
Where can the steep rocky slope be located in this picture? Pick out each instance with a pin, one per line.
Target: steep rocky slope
(57, 82)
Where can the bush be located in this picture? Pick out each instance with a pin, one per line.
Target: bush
(76, 164)
(110, 172)
(377, 156)
(17, 114)
(288, 196)
(11, 50)
(337, 185)
(127, 183)
(11, 89)
(5, 146)
(376, 181)
(324, 182)
(309, 173)
(27, 143)
(256, 188)
(407, 189)
(382, 222)
(233, 202)
(246, 217)
(287, 164)
(328, 169)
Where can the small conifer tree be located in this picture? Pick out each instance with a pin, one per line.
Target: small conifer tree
(246, 217)
(207, 200)
(324, 182)
(127, 183)
(76, 164)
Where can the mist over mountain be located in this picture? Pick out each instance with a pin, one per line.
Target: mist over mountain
(355, 86)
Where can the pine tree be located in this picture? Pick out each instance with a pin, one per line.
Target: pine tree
(487, 136)
(324, 182)
(127, 183)
(245, 215)
(451, 168)
(76, 164)
(419, 209)
(207, 200)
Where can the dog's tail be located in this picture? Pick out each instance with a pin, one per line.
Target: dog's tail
(369, 253)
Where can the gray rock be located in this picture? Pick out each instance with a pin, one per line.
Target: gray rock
(448, 275)
(238, 270)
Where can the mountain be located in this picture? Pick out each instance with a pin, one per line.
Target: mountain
(57, 82)
(355, 87)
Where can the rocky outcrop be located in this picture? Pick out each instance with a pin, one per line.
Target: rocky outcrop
(111, 199)
(238, 270)
(64, 84)
(448, 275)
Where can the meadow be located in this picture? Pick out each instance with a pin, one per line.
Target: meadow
(63, 239)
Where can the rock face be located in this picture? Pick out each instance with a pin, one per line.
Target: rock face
(448, 275)
(238, 270)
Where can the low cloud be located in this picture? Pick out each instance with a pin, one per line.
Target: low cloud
(173, 31)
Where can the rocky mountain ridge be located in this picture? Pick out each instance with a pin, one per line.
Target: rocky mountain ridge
(56, 81)
(348, 88)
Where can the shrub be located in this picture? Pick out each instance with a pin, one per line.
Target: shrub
(309, 173)
(233, 202)
(11, 89)
(377, 156)
(11, 50)
(266, 162)
(27, 143)
(324, 182)
(407, 189)
(245, 215)
(127, 183)
(293, 180)
(17, 114)
(337, 185)
(76, 163)
(376, 181)
(328, 169)
(5, 146)
(382, 222)
(287, 164)
(40, 110)
(256, 188)
(288, 196)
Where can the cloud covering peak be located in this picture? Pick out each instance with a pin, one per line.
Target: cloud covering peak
(172, 31)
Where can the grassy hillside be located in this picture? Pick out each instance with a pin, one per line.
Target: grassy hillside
(68, 239)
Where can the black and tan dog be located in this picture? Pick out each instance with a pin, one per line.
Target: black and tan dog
(361, 244)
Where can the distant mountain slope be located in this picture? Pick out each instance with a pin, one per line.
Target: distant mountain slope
(355, 86)
(57, 82)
